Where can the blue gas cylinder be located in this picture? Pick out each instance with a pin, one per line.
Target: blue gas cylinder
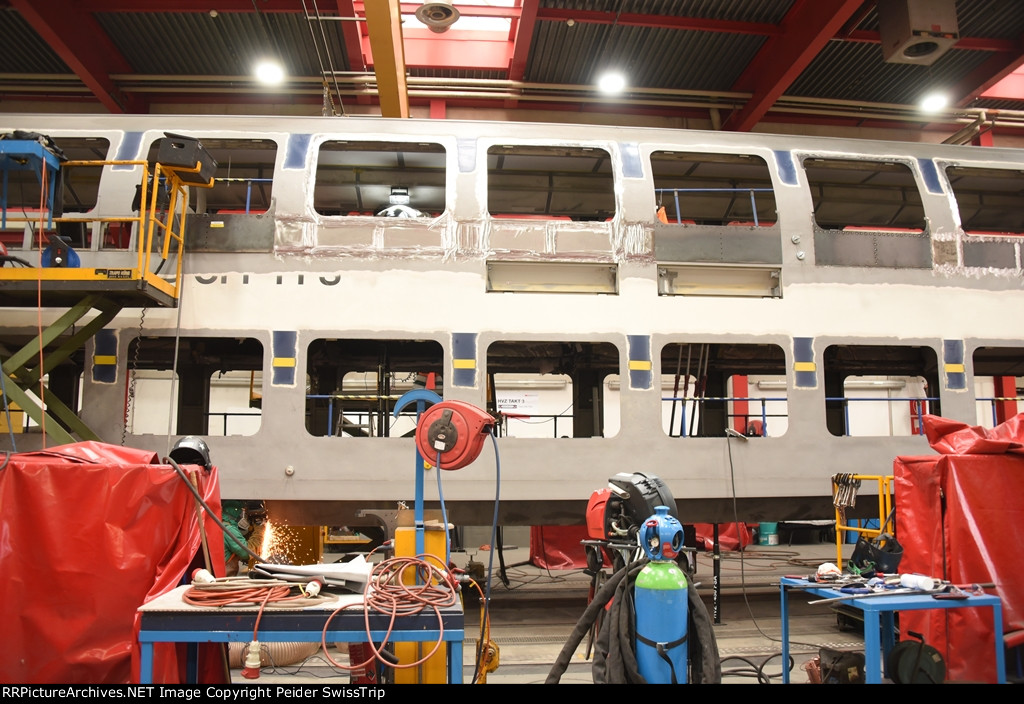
(660, 600)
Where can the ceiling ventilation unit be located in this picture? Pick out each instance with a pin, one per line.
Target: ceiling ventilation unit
(917, 31)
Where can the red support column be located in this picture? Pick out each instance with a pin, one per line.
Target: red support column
(740, 409)
(1006, 391)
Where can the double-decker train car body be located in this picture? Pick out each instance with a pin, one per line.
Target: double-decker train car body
(618, 297)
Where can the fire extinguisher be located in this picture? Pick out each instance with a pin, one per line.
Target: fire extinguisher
(660, 600)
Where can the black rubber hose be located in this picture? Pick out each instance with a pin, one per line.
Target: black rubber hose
(615, 657)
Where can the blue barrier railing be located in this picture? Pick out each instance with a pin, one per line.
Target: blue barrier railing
(763, 416)
(919, 405)
(994, 402)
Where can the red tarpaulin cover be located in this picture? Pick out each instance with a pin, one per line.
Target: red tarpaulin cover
(558, 547)
(960, 516)
(88, 533)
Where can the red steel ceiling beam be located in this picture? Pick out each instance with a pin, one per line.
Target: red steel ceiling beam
(522, 39)
(81, 43)
(995, 69)
(805, 30)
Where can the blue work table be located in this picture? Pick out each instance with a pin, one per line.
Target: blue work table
(168, 619)
(879, 623)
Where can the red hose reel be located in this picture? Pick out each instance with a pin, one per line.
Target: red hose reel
(456, 429)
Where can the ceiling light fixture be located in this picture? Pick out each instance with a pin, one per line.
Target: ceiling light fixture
(269, 73)
(438, 15)
(611, 83)
(933, 102)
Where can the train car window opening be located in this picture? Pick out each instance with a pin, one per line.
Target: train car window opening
(860, 193)
(244, 178)
(708, 387)
(988, 200)
(361, 178)
(879, 391)
(553, 389)
(550, 183)
(218, 386)
(352, 385)
(695, 188)
(998, 384)
(78, 194)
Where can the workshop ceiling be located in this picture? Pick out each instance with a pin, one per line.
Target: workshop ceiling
(739, 64)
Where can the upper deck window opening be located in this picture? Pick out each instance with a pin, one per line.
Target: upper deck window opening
(244, 177)
(360, 178)
(989, 200)
(553, 183)
(862, 194)
(693, 188)
(77, 192)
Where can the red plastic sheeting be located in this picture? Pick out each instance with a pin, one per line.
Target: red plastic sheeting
(90, 532)
(728, 536)
(558, 547)
(975, 538)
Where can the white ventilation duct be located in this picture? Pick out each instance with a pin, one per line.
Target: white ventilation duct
(917, 31)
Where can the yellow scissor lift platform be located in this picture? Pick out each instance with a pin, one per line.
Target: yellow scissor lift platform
(84, 290)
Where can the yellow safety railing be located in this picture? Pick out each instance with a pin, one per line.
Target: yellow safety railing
(844, 484)
(157, 225)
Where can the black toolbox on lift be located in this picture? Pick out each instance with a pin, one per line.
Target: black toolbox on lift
(176, 151)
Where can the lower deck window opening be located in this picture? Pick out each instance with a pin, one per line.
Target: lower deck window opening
(353, 386)
(708, 387)
(878, 390)
(998, 384)
(215, 390)
(553, 389)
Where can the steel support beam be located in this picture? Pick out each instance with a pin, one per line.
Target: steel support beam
(384, 23)
(18, 367)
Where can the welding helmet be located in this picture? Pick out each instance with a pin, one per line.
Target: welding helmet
(192, 450)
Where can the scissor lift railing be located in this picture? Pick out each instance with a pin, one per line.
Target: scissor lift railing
(83, 290)
(885, 506)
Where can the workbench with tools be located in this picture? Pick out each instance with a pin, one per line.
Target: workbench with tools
(879, 609)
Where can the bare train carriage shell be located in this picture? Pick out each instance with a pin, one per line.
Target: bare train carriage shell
(668, 283)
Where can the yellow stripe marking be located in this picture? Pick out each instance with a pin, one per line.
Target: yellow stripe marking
(640, 365)
(804, 366)
(954, 369)
(464, 363)
(284, 361)
(104, 359)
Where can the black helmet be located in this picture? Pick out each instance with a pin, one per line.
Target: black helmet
(192, 450)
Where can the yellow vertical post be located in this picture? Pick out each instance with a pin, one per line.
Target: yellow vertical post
(435, 669)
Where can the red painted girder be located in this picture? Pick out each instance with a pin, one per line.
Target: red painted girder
(522, 39)
(488, 51)
(82, 44)
(989, 74)
(666, 21)
(805, 30)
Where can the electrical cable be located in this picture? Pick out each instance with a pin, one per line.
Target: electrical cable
(7, 412)
(494, 531)
(444, 513)
(393, 591)
(43, 203)
(195, 492)
(743, 579)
